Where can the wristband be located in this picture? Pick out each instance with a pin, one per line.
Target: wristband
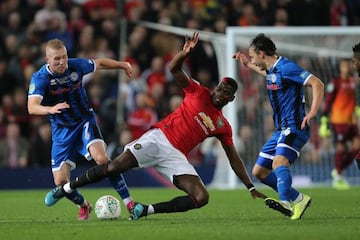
(250, 187)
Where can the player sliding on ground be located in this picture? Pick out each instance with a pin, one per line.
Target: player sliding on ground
(166, 145)
(284, 82)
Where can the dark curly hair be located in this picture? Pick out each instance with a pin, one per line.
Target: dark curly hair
(263, 43)
(231, 82)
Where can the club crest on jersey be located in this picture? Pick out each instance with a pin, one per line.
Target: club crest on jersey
(220, 123)
(74, 76)
(137, 146)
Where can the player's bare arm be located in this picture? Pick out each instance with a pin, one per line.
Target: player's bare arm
(35, 107)
(106, 63)
(176, 63)
(246, 63)
(239, 168)
(317, 97)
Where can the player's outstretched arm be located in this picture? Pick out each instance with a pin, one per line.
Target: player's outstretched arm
(106, 63)
(246, 63)
(177, 62)
(239, 168)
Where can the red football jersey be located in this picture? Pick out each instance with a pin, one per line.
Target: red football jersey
(194, 120)
(340, 99)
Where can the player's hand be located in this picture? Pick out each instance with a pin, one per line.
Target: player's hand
(242, 58)
(324, 130)
(58, 107)
(128, 69)
(190, 43)
(255, 194)
(306, 121)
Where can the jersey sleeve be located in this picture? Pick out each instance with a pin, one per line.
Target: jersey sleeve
(226, 138)
(37, 86)
(86, 65)
(293, 72)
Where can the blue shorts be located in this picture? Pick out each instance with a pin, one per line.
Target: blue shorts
(287, 142)
(68, 142)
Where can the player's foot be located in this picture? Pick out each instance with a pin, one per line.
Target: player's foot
(279, 206)
(300, 207)
(139, 210)
(54, 196)
(339, 182)
(84, 212)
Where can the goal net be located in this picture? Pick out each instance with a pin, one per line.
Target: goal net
(317, 49)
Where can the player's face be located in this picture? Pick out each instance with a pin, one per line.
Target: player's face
(356, 64)
(257, 58)
(222, 94)
(57, 59)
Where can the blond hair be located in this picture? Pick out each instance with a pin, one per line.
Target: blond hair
(55, 44)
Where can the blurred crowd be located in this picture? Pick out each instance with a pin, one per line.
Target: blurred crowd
(90, 28)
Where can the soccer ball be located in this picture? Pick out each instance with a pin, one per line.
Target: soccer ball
(107, 208)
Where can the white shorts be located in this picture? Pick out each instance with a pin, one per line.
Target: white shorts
(153, 149)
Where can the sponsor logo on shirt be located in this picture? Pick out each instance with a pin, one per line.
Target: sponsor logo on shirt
(207, 121)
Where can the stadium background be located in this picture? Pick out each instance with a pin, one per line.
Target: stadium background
(93, 29)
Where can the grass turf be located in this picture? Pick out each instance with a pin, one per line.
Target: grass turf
(230, 214)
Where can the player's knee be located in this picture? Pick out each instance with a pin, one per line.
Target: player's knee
(202, 198)
(60, 182)
(257, 174)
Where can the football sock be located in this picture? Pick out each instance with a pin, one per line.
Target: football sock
(92, 175)
(283, 182)
(119, 184)
(339, 158)
(271, 181)
(178, 204)
(299, 198)
(150, 210)
(349, 158)
(75, 197)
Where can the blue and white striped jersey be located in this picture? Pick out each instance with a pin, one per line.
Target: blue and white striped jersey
(284, 83)
(67, 87)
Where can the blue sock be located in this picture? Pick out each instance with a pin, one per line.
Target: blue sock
(75, 196)
(271, 181)
(284, 181)
(119, 184)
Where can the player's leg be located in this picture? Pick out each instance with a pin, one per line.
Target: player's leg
(98, 153)
(62, 153)
(268, 177)
(60, 177)
(197, 197)
(341, 136)
(95, 174)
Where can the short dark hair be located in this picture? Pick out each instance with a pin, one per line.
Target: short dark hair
(231, 82)
(263, 43)
(356, 50)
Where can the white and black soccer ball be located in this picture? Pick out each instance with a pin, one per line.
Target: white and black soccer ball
(107, 208)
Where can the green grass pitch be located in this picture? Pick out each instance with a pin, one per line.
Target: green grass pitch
(230, 214)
